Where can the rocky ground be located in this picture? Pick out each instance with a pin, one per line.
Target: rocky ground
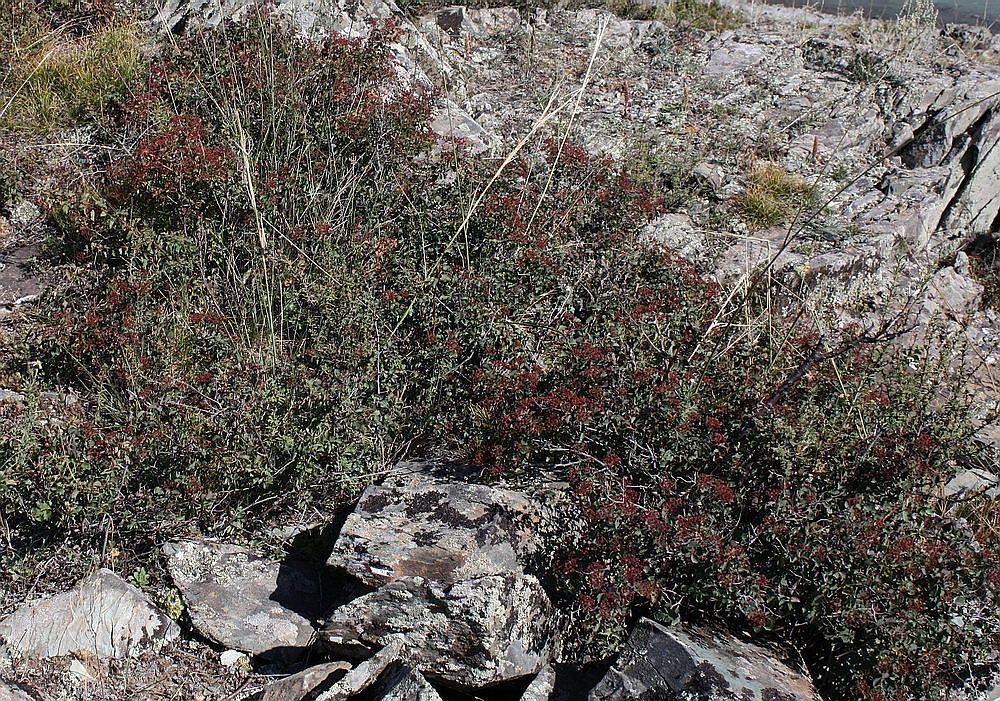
(427, 591)
(424, 594)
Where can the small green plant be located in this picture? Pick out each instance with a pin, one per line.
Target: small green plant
(771, 196)
(171, 602)
(140, 577)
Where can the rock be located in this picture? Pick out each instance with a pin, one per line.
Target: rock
(700, 665)
(245, 602)
(711, 175)
(18, 285)
(9, 692)
(473, 633)
(542, 686)
(234, 658)
(418, 525)
(457, 126)
(678, 232)
(403, 683)
(104, 614)
(80, 672)
(364, 675)
(733, 56)
(972, 482)
(952, 294)
(7, 395)
(299, 686)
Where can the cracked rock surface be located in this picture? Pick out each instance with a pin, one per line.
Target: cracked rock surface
(416, 524)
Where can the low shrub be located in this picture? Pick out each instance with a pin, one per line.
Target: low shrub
(285, 282)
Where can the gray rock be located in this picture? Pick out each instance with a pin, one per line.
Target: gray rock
(732, 57)
(18, 284)
(365, 674)
(7, 395)
(700, 665)
(104, 614)
(972, 482)
(245, 602)
(9, 692)
(473, 633)
(301, 685)
(541, 686)
(403, 683)
(419, 525)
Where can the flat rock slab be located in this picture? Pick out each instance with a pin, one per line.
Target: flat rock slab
(417, 524)
(474, 633)
(104, 613)
(17, 283)
(243, 601)
(12, 693)
(299, 686)
(700, 665)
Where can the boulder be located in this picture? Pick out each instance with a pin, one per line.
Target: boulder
(700, 665)
(473, 633)
(416, 524)
(246, 602)
(104, 614)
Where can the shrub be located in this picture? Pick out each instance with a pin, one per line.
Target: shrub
(278, 287)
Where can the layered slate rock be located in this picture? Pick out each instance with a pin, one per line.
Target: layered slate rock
(474, 633)
(416, 524)
(103, 614)
(698, 665)
(243, 601)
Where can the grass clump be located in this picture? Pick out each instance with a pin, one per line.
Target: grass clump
(694, 14)
(284, 282)
(772, 195)
(57, 79)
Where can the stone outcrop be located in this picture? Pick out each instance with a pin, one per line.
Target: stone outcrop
(103, 614)
(245, 602)
(699, 665)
